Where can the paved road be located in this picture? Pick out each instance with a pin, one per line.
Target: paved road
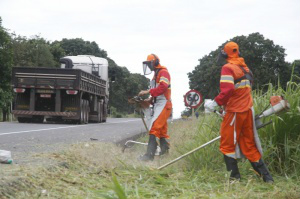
(25, 139)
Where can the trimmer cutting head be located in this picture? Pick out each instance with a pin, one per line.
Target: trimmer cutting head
(130, 143)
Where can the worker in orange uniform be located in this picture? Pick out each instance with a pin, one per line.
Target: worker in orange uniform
(160, 91)
(239, 136)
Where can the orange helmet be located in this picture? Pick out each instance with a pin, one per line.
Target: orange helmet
(154, 59)
(151, 64)
(231, 50)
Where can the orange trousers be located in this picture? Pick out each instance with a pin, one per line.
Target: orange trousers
(243, 126)
(160, 126)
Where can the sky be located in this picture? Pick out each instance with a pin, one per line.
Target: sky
(179, 32)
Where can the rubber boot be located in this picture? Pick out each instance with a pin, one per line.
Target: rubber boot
(231, 165)
(262, 170)
(152, 145)
(164, 146)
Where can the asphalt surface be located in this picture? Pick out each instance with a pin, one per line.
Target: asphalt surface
(25, 139)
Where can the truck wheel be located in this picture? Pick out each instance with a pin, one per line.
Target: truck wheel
(81, 119)
(38, 119)
(104, 113)
(99, 115)
(23, 120)
(87, 111)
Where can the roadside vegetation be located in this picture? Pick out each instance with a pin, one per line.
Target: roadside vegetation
(101, 170)
(36, 51)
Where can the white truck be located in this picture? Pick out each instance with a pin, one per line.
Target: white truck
(78, 91)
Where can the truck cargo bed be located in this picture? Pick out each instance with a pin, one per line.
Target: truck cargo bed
(57, 78)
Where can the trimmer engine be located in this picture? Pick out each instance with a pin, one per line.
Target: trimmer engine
(278, 104)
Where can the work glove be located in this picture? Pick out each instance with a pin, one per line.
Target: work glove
(210, 106)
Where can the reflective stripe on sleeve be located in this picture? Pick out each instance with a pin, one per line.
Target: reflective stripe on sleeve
(163, 79)
(227, 79)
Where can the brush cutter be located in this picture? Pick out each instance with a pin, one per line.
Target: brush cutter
(140, 105)
(278, 105)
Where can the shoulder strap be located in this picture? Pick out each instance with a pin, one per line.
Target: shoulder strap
(247, 75)
(156, 74)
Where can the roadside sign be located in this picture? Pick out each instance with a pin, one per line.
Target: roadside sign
(193, 99)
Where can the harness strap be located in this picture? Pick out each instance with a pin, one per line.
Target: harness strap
(247, 75)
(156, 74)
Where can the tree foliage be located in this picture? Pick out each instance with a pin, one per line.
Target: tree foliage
(296, 64)
(263, 57)
(33, 52)
(6, 56)
(296, 72)
(57, 52)
(38, 52)
(126, 85)
(80, 47)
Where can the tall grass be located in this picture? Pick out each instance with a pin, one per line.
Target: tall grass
(280, 140)
(206, 129)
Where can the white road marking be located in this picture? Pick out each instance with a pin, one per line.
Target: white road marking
(121, 122)
(18, 132)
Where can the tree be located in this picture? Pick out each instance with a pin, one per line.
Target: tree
(263, 57)
(80, 47)
(57, 52)
(34, 52)
(6, 59)
(134, 84)
(117, 93)
(296, 65)
(126, 85)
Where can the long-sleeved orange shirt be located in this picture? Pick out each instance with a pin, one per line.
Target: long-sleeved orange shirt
(163, 80)
(234, 97)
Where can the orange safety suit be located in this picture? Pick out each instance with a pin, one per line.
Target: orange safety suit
(163, 89)
(235, 95)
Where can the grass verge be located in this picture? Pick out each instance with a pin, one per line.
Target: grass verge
(101, 170)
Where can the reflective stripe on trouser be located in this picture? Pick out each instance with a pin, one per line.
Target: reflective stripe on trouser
(160, 125)
(237, 129)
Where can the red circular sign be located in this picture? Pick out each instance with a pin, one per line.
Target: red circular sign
(193, 99)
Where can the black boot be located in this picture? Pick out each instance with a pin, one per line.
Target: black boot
(152, 145)
(164, 146)
(231, 165)
(262, 170)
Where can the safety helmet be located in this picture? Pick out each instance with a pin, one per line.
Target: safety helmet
(154, 58)
(231, 50)
(151, 63)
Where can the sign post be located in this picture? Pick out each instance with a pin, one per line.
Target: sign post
(193, 99)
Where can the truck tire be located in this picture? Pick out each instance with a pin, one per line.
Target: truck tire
(38, 119)
(104, 113)
(82, 115)
(87, 111)
(99, 115)
(24, 120)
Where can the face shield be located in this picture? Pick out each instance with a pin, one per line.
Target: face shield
(148, 67)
